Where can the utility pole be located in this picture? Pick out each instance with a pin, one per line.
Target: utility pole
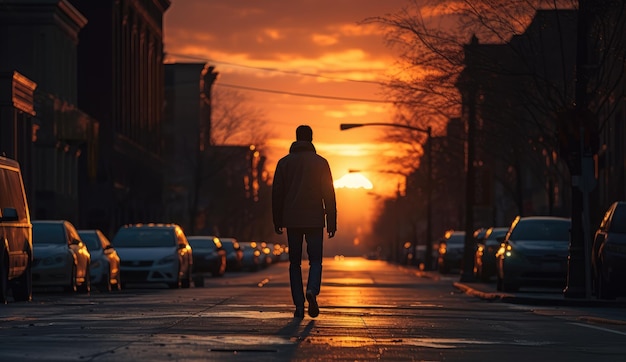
(467, 269)
(582, 144)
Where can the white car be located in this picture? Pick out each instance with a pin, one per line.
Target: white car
(105, 263)
(154, 253)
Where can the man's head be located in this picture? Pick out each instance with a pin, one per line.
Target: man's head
(304, 133)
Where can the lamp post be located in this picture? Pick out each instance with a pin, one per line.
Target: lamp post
(429, 244)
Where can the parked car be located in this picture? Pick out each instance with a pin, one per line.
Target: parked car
(534, 253)
(61, 258)
(608, 256)
(270, 253)
(209, 257)
(154, 253)
(16, 250)
(105, 263)
(451, 248)
(234, 254)
(251, 259)
(485, 256)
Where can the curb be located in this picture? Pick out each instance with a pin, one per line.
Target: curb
(517, 299)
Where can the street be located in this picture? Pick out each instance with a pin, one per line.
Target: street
(370, 310)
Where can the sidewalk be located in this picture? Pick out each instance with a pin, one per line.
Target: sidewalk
(597, 310)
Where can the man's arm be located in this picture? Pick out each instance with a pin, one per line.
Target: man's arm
(330, 202)
(278, 196)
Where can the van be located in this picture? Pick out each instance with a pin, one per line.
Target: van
(16, 249)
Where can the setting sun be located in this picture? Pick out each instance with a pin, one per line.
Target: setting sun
(353, 181)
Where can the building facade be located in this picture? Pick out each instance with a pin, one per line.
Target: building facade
(121, 83)
(39, 58)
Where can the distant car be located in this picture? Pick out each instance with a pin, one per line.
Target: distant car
(251, 260)
(485, 256)
(16, 248)
(154, 253)
(209, 257)
(234, 254)
(105, 263)
(608, 257)
(534, 253)
(451, 248)
(61, 258)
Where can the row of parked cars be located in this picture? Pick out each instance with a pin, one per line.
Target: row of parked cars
(53, 253)
(138, 253)
(534, 251)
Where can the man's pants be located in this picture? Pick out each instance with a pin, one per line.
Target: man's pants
(314, 248)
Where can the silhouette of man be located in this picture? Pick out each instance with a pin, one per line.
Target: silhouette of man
(303, 202)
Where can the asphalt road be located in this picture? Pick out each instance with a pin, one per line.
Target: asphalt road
(370, 310)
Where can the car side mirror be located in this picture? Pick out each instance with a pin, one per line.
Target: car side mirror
(8, 214)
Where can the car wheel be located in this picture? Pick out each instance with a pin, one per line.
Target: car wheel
(198, 281)
(118, 284)
(186, 281)
(71, 288)
(23, 285)
(604, 289)
(508, 286)
(85, 287)
(4, 280)
(106, 283)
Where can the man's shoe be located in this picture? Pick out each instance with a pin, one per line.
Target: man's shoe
(299, 313)
(314, 309)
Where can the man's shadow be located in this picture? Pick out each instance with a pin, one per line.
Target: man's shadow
(293, 332)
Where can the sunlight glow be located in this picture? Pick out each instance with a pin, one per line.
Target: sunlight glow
(353, 181)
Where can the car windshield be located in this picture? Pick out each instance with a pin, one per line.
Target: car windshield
(547, 230)
(202, 243)
(46, 233)
(91, 240)
(618, 223)
(228, 245)
(456, 239)
(496, 233)
(134, 238)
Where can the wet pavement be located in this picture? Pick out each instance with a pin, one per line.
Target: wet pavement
(370, 310)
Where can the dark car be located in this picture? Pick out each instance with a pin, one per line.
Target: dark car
(485, 256)
(61, 258)
(234, 254)
(252, 259)
(105, 263)
(608, 257)
(534, 253)
(209, 257)
(16, 248)
(451, 248)
(154, 253)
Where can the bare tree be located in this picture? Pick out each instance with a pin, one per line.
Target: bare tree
(431, 37)
(235, 121)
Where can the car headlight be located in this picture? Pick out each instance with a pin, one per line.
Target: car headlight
(508, 251)
(53, 260)
(167, 260)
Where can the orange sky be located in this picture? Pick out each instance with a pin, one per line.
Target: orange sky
(298, 39)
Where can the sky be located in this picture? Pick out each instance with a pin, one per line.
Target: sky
(298, 62)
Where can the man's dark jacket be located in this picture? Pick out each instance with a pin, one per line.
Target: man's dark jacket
(302, 191)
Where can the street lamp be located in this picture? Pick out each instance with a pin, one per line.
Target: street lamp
(429, 231)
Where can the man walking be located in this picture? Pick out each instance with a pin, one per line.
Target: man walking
(303, 202)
